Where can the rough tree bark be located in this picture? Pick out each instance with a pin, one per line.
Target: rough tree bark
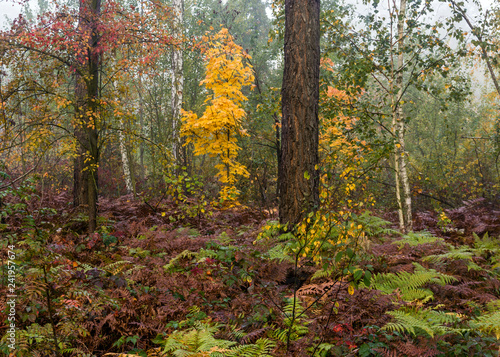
(92, 97)
(298, 171)
(86, 133)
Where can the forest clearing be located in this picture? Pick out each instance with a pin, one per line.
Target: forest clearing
(249, 178)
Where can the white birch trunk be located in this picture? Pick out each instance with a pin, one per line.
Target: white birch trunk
(125, 162)
(404, 202)
(397, 172)
(404, 179)
(177, 78)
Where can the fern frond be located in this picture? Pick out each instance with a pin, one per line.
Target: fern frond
(203, 254)
(261, 348)
(197, 341)
(116, 268)
(279, 252)
(294, 319)
(422, 322)
(486, 243)
(86, 267)
(416, 238)
(440, 278)
(184, 254)
(488, 246)
(410, 285)
(134, 268)
(461, 253)
(489, 323)
(279, 334)
(320, 274)
(374, 226)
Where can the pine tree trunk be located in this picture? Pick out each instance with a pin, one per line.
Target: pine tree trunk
(299, 179)
(177, 81)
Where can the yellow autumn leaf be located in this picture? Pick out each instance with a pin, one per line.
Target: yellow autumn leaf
(350, 289)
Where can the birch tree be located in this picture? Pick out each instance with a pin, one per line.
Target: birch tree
(379, 63)
(125, 161)
(403, 193)
(177, 79)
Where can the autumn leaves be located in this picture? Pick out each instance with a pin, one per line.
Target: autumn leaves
(216, 132)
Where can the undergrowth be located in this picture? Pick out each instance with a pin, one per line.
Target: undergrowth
(230, 283)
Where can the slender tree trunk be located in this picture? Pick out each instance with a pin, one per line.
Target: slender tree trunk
(125, 162)
(93, 96)
(143, 172)
(278, 152)
(141, 124)
(86, 103)
(80, 177)
(177, 82)
(397, 179)
(404, 195)
(299, 178)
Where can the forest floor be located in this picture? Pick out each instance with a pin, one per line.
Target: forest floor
(152, 279)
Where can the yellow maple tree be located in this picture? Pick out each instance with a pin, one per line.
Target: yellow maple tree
(215, 132)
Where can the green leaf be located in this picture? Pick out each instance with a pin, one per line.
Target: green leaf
(367, 278)
(338, 257)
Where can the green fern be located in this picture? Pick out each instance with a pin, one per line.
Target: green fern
(323, 273)
(374, 226)
(118, 267)
(197, 341)
(322, 349)
(488, 246)
(416, 238)
(279, 252)
(203, 254)
(489, 322)
(86, 267)
(237, 333)
(461, 253)
(410, 285)
(295, 322)
(225, 239)
(261, 348)
(418, 322)
(134, 268)
(272, 231)
(184, 254)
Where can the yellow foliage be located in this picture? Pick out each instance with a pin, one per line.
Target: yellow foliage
(215, 132)
(342, 152)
